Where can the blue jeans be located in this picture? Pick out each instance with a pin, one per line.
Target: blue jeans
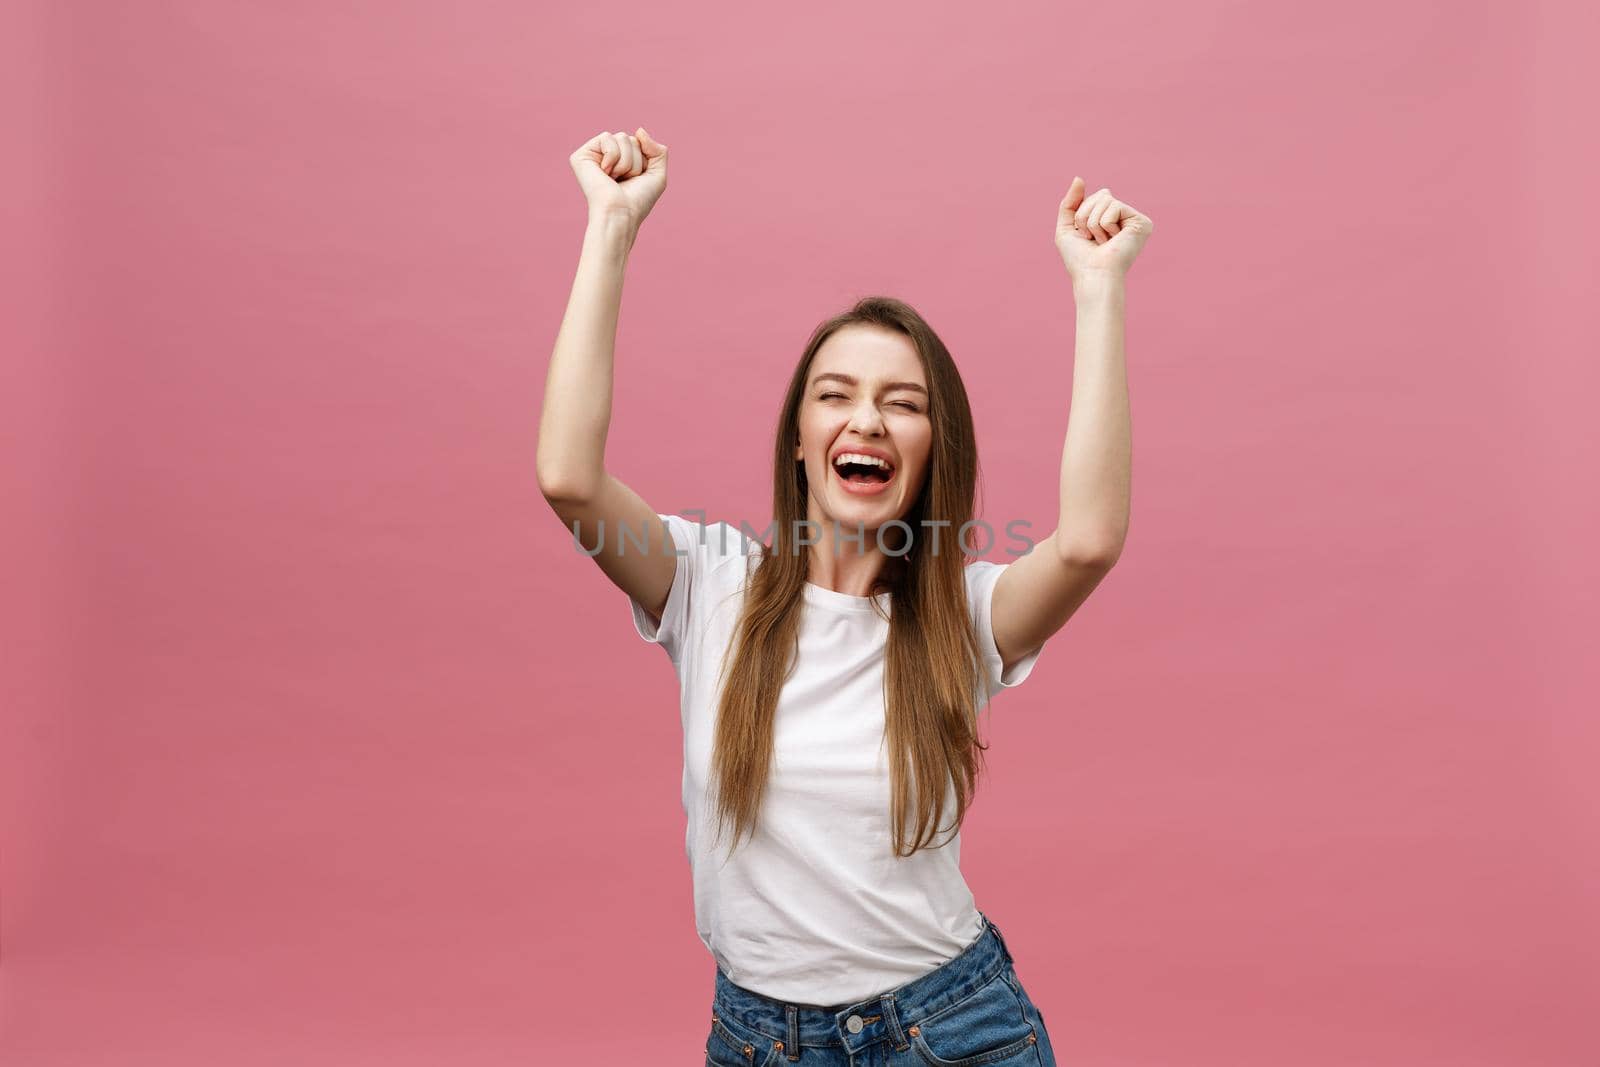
(968, 1011)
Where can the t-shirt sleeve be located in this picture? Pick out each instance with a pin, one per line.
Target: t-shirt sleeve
(699, 548)
(982, 575)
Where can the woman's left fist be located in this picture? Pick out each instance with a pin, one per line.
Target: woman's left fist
(1099, 233)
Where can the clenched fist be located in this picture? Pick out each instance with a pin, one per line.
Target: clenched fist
(621, 174)
(1099, 234)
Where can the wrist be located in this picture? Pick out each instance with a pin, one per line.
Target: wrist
(612, 232)
(615, 217)
(1098, 284)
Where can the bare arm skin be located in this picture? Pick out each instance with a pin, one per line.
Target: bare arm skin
(1098, 238)
(621, 176)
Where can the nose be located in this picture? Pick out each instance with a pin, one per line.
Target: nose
(867, 419)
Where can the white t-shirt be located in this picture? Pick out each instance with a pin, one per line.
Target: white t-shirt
(815, 908)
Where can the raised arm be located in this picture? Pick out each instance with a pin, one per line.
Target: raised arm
(622, 176)
(1098, 238)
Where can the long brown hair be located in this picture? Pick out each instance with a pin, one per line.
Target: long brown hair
(932, 663)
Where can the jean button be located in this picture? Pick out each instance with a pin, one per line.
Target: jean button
(854, 1024)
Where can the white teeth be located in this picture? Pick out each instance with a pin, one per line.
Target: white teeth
(857, 457)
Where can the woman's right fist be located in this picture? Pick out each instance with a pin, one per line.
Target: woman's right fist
(621, 173)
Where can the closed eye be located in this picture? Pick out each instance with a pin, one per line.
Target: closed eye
(908, 405)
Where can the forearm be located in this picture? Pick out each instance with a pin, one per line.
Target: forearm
(577, 394)
(1097, 459)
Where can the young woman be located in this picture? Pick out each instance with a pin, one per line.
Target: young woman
(830, 681)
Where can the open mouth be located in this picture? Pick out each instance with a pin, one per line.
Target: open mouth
(863, 473)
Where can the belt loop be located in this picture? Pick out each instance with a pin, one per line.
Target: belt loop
(998, 937)
(891, 1018)
(792, 1044)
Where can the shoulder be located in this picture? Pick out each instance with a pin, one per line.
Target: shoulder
(981, 574)
(982, 577)
(710, 544)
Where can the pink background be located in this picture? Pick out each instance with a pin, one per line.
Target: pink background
(322, 746)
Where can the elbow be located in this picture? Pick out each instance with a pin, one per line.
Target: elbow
(1101, 553)
(566, 485)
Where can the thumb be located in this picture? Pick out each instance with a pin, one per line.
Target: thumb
(1074, 198)
(649, 145)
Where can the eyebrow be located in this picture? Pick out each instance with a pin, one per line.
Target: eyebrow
(846, 379)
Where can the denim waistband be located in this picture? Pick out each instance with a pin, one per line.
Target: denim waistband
(881, 1017)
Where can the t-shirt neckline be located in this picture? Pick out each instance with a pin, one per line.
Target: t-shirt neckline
(832, 598)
